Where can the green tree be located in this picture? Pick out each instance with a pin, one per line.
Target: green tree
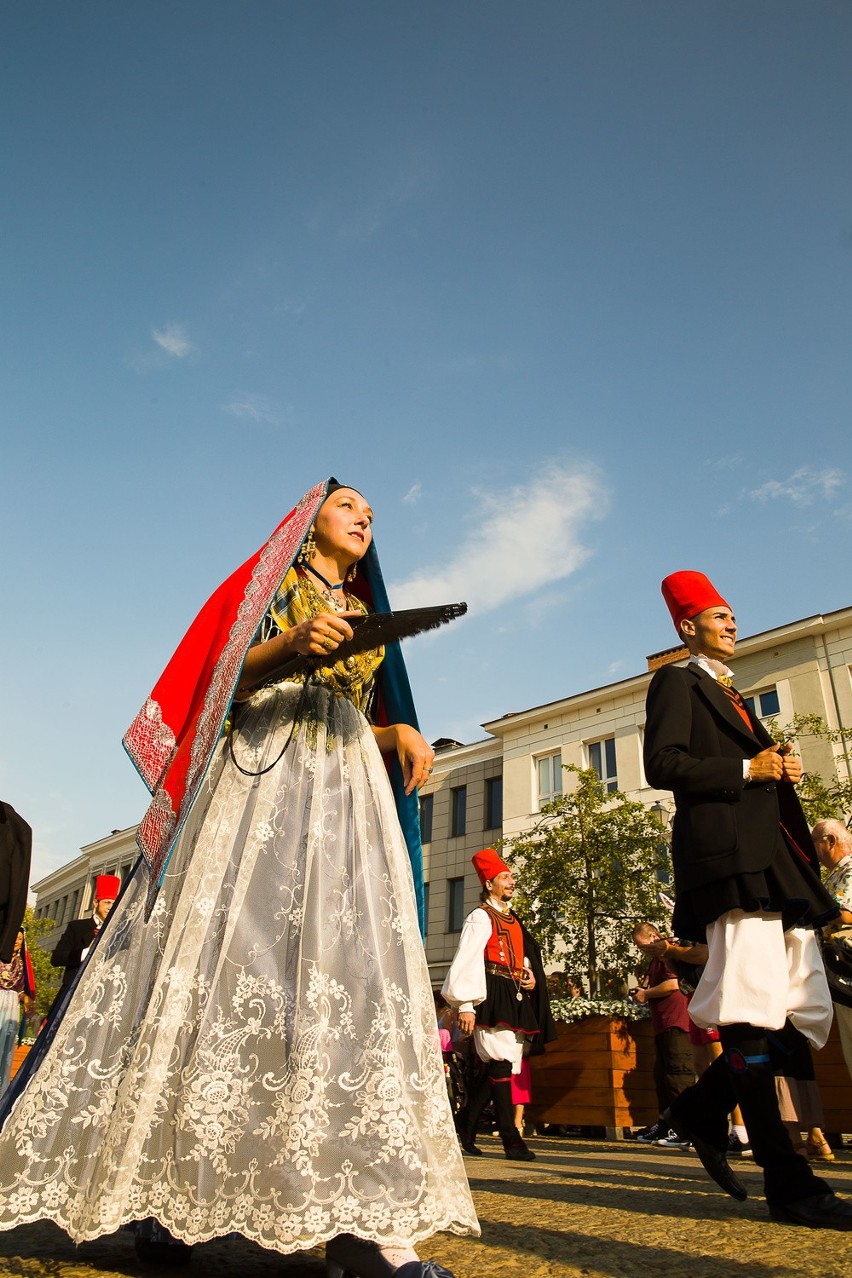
(47, 978)
(822, 791)
(588, 871)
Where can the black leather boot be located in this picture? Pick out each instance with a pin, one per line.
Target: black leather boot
(787, 1177)
(514, 1145)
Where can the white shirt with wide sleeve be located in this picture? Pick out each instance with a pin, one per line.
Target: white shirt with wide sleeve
(464, 988)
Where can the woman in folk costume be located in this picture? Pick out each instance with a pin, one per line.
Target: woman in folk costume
(252, 1043)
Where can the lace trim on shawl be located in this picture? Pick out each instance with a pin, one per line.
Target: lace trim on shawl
(160, 824)
(151, 742)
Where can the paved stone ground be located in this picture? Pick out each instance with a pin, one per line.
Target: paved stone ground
(586, 1208)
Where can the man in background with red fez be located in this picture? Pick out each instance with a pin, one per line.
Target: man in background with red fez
(497, 983)
(76, 941)
(746, 878)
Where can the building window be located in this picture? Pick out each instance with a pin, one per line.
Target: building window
(426, 818)
(458, 815)
(493, 803)
(764, 704)
(602, 759)
(549, 776)
(455, 905)
(425, 909)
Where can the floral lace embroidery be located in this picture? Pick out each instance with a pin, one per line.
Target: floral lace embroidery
(261, 1055)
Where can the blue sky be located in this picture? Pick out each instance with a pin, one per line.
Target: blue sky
(563, 287)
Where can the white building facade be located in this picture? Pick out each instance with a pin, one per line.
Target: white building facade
(480, 792)
(801, 668)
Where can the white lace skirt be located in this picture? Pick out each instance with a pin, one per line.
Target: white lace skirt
(262, 1055)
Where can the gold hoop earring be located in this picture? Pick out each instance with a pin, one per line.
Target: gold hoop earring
(351, 573)
(308, 548)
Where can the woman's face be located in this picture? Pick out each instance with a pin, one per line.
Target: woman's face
(19, 940)
(344, 525)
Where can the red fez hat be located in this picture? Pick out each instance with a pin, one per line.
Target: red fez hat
(688, 593)
(488, 864)
(107, 887)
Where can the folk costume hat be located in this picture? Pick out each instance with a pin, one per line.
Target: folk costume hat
(172, 739)
(107, 887)
(689, 593)
(488, 864)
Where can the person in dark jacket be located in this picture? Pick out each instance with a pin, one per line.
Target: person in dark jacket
(76, 941)
(16, 839)
(745, 875)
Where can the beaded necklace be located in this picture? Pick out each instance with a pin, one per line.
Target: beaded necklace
(327, 589)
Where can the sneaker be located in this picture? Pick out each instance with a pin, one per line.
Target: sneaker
(737, 1148)
(650, 1134)
(672, 1141)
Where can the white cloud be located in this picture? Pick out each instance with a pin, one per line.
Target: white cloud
(253, 407)
(414, 494)
(804, 486)
(524, 538)
(728, 461)
(173, 340)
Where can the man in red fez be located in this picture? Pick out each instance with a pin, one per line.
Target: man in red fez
(76, 941)
(746, 878)
(497, 983)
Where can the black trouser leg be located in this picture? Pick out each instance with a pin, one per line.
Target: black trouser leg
(500, 1073)
(704, 1107)
(501, 1090)
(674, 1071)
(480, 1095)
(786, 1174)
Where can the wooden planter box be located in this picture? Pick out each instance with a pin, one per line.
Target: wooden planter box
(18, 1059)
(835, 1085)
(598, 1073)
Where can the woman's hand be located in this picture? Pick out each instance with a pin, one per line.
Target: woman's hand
(320, 635)
(317, 637)
(413, 751)
(415, 755)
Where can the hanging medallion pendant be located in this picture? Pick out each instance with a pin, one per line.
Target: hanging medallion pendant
(519, 996)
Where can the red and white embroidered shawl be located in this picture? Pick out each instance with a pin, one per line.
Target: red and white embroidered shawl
(172, 738)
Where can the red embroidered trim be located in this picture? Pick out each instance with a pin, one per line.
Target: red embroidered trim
(172, 747)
